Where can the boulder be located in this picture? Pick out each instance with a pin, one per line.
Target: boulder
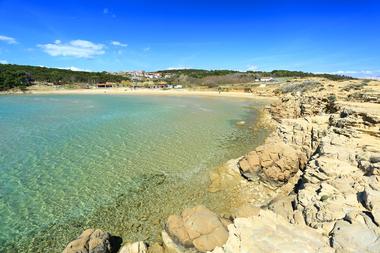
(136, 247)
(169, 245)
(90, 241)
(198, 227)
(274, 163)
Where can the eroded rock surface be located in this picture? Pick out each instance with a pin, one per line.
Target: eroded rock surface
(328, 151)
(198, 227)
(268, 232)
(136, 247)
(90, 241)
(274, 162)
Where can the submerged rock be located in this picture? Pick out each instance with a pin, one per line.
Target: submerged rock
(240, 123)
(225, 176)
(90, 241)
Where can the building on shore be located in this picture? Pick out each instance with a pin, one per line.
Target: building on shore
(105, 85)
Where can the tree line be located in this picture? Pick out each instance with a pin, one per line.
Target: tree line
(21, 76)
(215, 78)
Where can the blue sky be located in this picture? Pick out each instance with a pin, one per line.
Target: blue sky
(318, 36)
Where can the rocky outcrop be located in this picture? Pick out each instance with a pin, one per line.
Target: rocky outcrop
(90, 241)
(197, 227)
(268, 232)
(322, 167)
(274, 163)
(355, 237)
(298, 106)
(335, 153)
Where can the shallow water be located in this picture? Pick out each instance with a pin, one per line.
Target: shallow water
(119, 163)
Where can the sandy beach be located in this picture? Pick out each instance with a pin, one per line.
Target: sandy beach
(127, 91)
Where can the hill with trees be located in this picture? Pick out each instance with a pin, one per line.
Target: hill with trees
(21, 76)
(213, 78)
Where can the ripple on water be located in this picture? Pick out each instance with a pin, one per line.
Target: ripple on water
(119, 163)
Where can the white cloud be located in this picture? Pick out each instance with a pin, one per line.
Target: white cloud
(7, 39)
(353, 72)
(3, 62)
(147, 49)
(74, 48)
(107, 11)
(178, 67)
(72, 68)
(252, 68)
(118, 43)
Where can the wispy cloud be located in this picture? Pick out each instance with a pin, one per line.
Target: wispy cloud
(3, 62)
(355, 72)
(7, 39)
(147, 49)
(74, 48)
(372, 74)
(72, 68)
(252, 67)
(178, 67)
(118, 43)
(107, 11)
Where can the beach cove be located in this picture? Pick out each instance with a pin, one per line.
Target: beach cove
(121, 163)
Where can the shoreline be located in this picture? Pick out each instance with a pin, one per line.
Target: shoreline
(313, 184)
(141, 92)
(259, 111)
(321, 164)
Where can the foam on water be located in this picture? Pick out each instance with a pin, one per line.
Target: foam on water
(120, 163)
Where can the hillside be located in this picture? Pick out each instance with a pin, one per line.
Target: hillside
(21, 76)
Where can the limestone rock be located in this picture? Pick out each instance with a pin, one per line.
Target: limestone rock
(225, 176)
(268, 232)
(198, 227)
(246, 211)
(169, 245)
(155, 248)
(136, 247)
(282, 205)
(90, 241)
(355, 237)
(273, 162)
(372, 203)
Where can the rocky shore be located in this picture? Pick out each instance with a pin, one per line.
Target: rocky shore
(313, 186)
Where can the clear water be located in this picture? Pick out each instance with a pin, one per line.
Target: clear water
(119, 163)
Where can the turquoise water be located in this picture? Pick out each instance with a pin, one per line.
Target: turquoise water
(120, 163)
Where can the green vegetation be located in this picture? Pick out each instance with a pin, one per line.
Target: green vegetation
(201, 73)
(20, 76)
(287, 73)
(215, 78)
(11, 79)
(197, 73)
